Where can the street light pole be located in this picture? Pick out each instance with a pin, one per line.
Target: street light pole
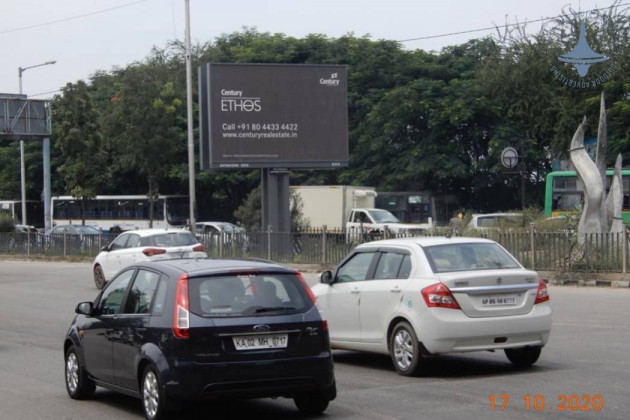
(191, 144)
(22, 167)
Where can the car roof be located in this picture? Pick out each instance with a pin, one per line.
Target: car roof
(426, 241)
(204, 266)
(155, 231)
(496, 214)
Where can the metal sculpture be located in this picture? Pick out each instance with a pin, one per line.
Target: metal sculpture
(601, 213)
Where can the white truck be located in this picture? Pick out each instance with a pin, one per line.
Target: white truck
(350, 208)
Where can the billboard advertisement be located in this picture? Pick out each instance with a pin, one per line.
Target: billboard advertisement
(273, 116)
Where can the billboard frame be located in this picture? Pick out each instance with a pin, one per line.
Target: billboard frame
(317, 146)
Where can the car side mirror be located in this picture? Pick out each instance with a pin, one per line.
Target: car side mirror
(326, 277)
(105, 248)
(85, 308)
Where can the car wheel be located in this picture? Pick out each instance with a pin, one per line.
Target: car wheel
(405, 350)
(311, 404)
(78, 384)
(524, 356)
(154, 403)
(99, 277)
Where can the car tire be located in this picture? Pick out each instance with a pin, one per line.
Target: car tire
(99, 277)
(78, 383)
(154, 403)
(404, 350)
(311, 404)
(524, 356)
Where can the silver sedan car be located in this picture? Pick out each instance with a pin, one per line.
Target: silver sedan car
(414, 298)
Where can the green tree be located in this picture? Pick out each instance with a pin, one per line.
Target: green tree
(82, 162)
(142, 123)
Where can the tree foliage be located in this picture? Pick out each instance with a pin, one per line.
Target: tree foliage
(82, 162)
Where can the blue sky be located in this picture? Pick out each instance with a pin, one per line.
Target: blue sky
(102, 40)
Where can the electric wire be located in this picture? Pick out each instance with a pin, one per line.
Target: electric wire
(504, 26)
(52, 22)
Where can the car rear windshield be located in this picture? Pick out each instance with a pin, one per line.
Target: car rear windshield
(169, 239)
(257, 294)
(468, 256)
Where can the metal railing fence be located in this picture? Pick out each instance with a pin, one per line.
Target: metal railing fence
(545, 251)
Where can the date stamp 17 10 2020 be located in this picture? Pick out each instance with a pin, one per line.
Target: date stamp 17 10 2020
(538, 402)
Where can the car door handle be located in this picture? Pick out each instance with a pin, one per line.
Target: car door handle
(355, 291)
(395, 290)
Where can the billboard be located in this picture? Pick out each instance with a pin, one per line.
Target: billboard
(22, 118)
(273, 116)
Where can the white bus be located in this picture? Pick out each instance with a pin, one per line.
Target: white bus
(34, 211)
(126, 212)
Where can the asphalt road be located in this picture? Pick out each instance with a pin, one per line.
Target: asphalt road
(586, 360)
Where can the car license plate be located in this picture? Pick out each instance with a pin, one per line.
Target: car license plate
(266, 341)
(500, 300)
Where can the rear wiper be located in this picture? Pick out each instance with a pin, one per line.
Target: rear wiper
(274, 308)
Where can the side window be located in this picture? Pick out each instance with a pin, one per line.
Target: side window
(142, 292)
(360, 217)
(405, 268)
(388, 266)
(119, 243)
(356, 269)
(113, 296)
(133, 242)
(160, 298)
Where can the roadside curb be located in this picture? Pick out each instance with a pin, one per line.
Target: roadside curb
(614, 284)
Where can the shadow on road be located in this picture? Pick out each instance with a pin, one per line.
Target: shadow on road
(452, 366)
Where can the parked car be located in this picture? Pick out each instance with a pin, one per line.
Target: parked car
(418, 297)
(209, 233)
(79, 237)
(73, 230)
(215, 228)
(172, 331)
(144, 245)
(492, 221)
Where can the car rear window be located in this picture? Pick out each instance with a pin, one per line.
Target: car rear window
(247, 295)
(468, 256)
(169, 239)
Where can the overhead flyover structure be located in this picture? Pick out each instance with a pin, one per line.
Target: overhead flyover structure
(28, 119)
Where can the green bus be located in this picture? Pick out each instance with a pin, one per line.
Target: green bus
(564, 193)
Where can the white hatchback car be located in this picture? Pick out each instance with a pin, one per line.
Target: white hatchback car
(417, 297)
(144, 245)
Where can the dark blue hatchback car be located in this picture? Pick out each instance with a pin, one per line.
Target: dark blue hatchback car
(177, 330)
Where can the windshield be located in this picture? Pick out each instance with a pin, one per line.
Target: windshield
(170, 239)
(247, 295)
(383, 216)
(468, 256)
(177, 212)
(87, 230)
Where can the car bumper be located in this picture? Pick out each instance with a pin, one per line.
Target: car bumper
(252, 379)
(444, 330)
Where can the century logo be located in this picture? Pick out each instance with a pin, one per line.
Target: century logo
(582, 57)
(333, 80)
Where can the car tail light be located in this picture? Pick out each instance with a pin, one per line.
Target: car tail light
(149, 252)
(181, 317)
(542, 295)
(306, 286)
(324, 325)
(439, 296)
(200, 248)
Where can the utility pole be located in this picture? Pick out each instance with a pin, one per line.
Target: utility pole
(191, 144)
(22, 166)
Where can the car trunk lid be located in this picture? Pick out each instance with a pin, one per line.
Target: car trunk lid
(489, 293)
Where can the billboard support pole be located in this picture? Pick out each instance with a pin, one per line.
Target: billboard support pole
(275, 204)
(47, 194)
